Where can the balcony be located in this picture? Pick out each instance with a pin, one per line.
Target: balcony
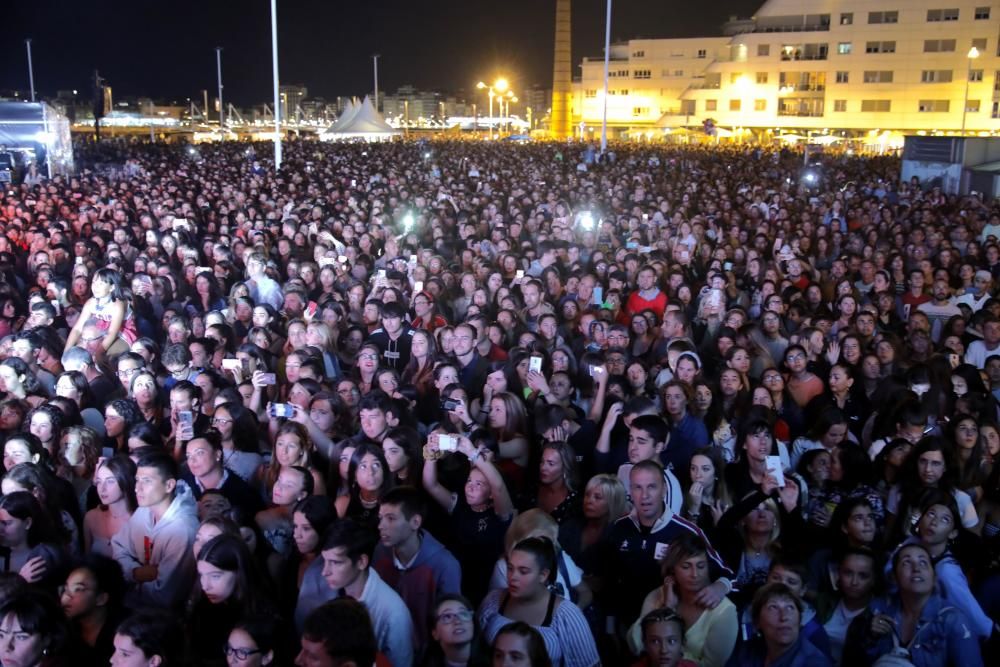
(787, 89)
(785, 55)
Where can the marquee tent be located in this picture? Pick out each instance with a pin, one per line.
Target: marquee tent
(360, 122)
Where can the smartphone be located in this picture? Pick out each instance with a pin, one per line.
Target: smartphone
(418, 286)
(685, 255)
(728, 266)
(447, 443)
(413, 260)
(327, 261)
(773, 465)
(519, 274)
(631, 245)
(185, 424)
(535, 364)
(312, 308)
(281, 410)
(245, 364)
(231, 364)
(179, 223)
(342, 259)
(79, 260)
(204, 269)
(268, 378)
(594, 371)
(449, 405)
(598, 296)
(381, 274)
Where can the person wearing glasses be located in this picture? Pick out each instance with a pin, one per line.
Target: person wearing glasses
(253, 642)
(456, 638)
(229, 586)
(205, 470)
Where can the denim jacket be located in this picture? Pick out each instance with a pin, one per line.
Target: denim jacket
(944, 636)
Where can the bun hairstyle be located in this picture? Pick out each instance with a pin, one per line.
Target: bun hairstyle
(544, 552)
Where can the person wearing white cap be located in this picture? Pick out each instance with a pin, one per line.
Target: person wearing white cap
(983, 284)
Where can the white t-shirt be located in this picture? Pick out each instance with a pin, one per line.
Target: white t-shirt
(498, 581)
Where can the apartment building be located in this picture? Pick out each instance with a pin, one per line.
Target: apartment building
(836, 65)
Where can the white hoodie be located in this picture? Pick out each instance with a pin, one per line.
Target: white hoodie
(165, 544)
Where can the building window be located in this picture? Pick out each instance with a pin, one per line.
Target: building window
(843, 77)
(875, 106)
(702, 53)
(591, 93)
(982, 13)
(844, 48)
(761, 77)
(939, 45)
(933, 106)
(880, 47)
(638, 54)
(975, 75)
(883, 17)
(735, 105)
(996, 110)
(760, 105)
(642, 74)
(878, 76)
(711, 105)
(678, 72)
(972, 106)
(640, 111)
(979, 43)
(936, 76)
(735, 76)
(934, 15)
(840, 105)
(847, 18)
(763, 49)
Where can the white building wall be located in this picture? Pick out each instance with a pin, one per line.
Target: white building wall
(728, 71)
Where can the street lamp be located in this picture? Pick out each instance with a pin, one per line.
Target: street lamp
(499, 87)
(972, 55)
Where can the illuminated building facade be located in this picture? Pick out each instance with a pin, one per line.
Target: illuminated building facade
(810, 65)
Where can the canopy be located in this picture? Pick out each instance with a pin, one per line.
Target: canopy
(360, 121)
(38, 130)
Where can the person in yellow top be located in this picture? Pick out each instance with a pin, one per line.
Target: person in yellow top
(711, 631)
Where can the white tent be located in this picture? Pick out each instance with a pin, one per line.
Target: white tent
(348, 113)
(361, 122)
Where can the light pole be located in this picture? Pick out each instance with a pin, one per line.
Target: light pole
(31, 71)
(607, 63)
(972, 55)
(277, 100)
(375, 61)
(218, 68)
(499, 87)
(406, 117)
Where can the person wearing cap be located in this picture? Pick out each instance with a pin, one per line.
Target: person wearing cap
(393, 337)
(427, 317)
(980, 293)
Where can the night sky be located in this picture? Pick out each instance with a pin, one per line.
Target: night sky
(166, 48)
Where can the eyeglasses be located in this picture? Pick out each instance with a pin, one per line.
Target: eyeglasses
(450, 617)
(218, 421)
(126, 372)
(74, 591)
(241, 654)
(368, 355)
(795, 357)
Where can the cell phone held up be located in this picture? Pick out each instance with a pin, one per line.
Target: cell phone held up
(447, 443)
(280, 410)
(448, 405)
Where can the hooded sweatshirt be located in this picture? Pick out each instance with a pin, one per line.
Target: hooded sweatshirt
(432, 573)
(166, 544)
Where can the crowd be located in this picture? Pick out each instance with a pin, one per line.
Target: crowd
(459, 403)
